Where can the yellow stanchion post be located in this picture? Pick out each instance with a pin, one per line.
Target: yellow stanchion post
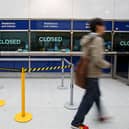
(2, 103)
(23, 116)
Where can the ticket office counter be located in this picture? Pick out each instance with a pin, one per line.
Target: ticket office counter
(55, 35)
(43, 35)
(14, 36)
(50, 41)
(50, 35)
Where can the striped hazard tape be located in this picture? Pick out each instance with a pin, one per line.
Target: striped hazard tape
(47, 68)
(37, 69)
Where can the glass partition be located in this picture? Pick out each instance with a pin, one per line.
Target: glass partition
(108, 41)
(76, 40)
(50, 41)
(78, 35)
(121, 44)
(121, 41)
(14, 41)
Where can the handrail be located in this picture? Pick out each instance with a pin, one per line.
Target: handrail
(8, 53)
(31, 59)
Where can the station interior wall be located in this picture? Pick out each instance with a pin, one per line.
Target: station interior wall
(80, 9)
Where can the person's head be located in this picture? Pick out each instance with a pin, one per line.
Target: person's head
(97, 25)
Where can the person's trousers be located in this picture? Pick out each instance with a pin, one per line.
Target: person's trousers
(92, 95)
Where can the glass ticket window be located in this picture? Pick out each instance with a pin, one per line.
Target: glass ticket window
(78, 35)
(14, 41)
(76, 40)
(50, 41)
(121, 42)
(108, 41)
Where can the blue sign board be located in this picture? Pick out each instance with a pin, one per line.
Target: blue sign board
(108, 25)
(84, 25)
(80, 25)
(121, 26)
(14, 24)
(51, 25)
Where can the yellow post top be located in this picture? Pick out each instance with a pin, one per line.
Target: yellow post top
(2, 103)
(23, 70)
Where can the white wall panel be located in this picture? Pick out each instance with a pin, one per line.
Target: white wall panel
(107, 9)
(14, 8)
(50, 8)
(93, 8)
(121, 8)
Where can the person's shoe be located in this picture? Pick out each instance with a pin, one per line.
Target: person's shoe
(104, 119)
(80, 127)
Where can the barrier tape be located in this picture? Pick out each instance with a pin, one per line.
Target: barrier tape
(10, 69)
(47, 68)
(38, 69)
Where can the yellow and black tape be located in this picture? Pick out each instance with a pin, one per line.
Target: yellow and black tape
(37, 69)
(48, 68)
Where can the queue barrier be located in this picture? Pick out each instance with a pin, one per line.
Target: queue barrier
(70, 105)
(47, 68)
(61, 58)
(30, 69)
(24, 116)
(37, 69)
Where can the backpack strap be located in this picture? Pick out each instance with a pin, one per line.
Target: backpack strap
(90, 43)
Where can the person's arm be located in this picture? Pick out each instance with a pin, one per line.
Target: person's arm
(97, 54)
(84, 40)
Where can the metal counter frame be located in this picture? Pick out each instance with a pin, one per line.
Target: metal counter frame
(64, 54)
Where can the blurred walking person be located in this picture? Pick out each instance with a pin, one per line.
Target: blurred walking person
(93, 46)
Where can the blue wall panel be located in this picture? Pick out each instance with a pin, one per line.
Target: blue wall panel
(84, 25)
(51, 25)
(14, 24)
(121, 26)
(12, 64)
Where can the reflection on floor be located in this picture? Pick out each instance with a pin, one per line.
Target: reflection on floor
(46, 103)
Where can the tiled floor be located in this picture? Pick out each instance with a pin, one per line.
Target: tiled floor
(46, 103)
